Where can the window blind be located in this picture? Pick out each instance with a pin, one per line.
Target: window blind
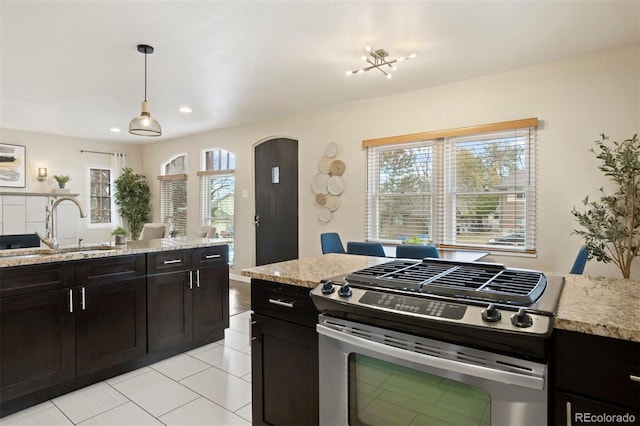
(217, 194)
(173, 202)
(470, 191)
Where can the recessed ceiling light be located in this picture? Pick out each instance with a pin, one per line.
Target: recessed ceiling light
(115, 130)
(185, 110)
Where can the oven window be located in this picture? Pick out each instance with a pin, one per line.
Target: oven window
(382, 393)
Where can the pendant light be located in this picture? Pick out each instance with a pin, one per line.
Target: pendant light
(144, 124)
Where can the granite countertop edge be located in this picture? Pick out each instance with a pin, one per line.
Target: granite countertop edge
(40, 255)
(587, 304)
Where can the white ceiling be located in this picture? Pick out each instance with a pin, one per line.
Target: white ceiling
(72, 68)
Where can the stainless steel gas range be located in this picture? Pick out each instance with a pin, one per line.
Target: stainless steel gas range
(434, 341)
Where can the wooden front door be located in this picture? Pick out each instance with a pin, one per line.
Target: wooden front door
(276, 194)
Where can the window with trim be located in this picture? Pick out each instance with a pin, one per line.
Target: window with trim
(99, 196)
(465, 188)
(217, 193)
(173, 195)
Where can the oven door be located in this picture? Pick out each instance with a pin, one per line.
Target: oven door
(373, 376)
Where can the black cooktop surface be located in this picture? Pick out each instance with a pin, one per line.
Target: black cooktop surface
(474, 280)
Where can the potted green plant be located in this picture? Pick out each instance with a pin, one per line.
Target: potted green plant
(611, 226)
(133, 196)
(62, 180)
(121, 235)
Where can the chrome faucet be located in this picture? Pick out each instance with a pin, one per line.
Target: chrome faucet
(51, 241)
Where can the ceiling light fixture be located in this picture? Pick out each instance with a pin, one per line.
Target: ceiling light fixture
(144, 124)
(379, 60)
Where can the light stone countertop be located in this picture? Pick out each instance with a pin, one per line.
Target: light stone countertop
(309, 271)
(38, 255)
(601, 306)
(608, 307)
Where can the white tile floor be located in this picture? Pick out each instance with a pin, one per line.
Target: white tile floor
(209, 385)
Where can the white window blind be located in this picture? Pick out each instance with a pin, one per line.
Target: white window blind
(473, 191)
(217, 194)
(173, 203)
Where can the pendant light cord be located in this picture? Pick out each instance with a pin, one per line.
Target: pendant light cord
(145, 76)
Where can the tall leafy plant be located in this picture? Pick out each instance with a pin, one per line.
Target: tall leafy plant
(611, 226)
(132, 196)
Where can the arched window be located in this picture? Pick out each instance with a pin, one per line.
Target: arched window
(217, 193)
(173, 194)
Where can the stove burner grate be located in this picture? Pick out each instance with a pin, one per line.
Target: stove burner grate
(477, 281)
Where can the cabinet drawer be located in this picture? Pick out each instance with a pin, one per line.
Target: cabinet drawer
(35, 278)
(109, 269)
(210, 256)
(168, 261)
(283, 301)
(598, 367)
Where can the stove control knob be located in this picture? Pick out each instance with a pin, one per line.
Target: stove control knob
(521, 319)
(345, 290)
(491, 314)
(327, 288)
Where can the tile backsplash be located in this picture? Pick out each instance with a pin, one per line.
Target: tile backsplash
(24, 214)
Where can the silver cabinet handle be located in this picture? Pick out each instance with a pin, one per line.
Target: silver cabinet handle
(190, 280)
(169, 262)
(568, 413)
(634, 378)
(71, 301)
(212, 256)
(198, 278)
(281, 303)
(84, 306)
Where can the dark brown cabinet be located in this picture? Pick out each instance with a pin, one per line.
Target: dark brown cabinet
(110, 309)
(595, 376)
(187, 293)
(284, 355)
(68, 324)
(94, 320)
(37, 328)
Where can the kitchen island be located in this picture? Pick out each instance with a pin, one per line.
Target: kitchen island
(589, 308)
(73, 316)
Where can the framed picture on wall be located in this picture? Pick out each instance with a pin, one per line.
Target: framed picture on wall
(13, 160)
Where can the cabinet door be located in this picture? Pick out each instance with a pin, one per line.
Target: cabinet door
(284, 365)
(110, 324)
(169, 310)
(210, 304)
(37, 342)
(575, 410)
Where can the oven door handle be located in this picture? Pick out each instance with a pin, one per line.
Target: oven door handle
(506, 377)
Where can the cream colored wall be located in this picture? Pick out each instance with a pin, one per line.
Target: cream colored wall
(61, 156)
(575, 99)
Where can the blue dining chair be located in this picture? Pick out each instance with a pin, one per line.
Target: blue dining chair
(365, 248)
(331, 243)
(580, 262)
(415, 251)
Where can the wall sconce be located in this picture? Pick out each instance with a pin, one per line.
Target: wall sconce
(42, 174)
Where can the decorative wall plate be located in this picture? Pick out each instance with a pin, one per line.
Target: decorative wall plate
(324, 165)
(320, 183)
(335, 185)
(324, 214)
(337, 168)
(332, 202)
(331, 150)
